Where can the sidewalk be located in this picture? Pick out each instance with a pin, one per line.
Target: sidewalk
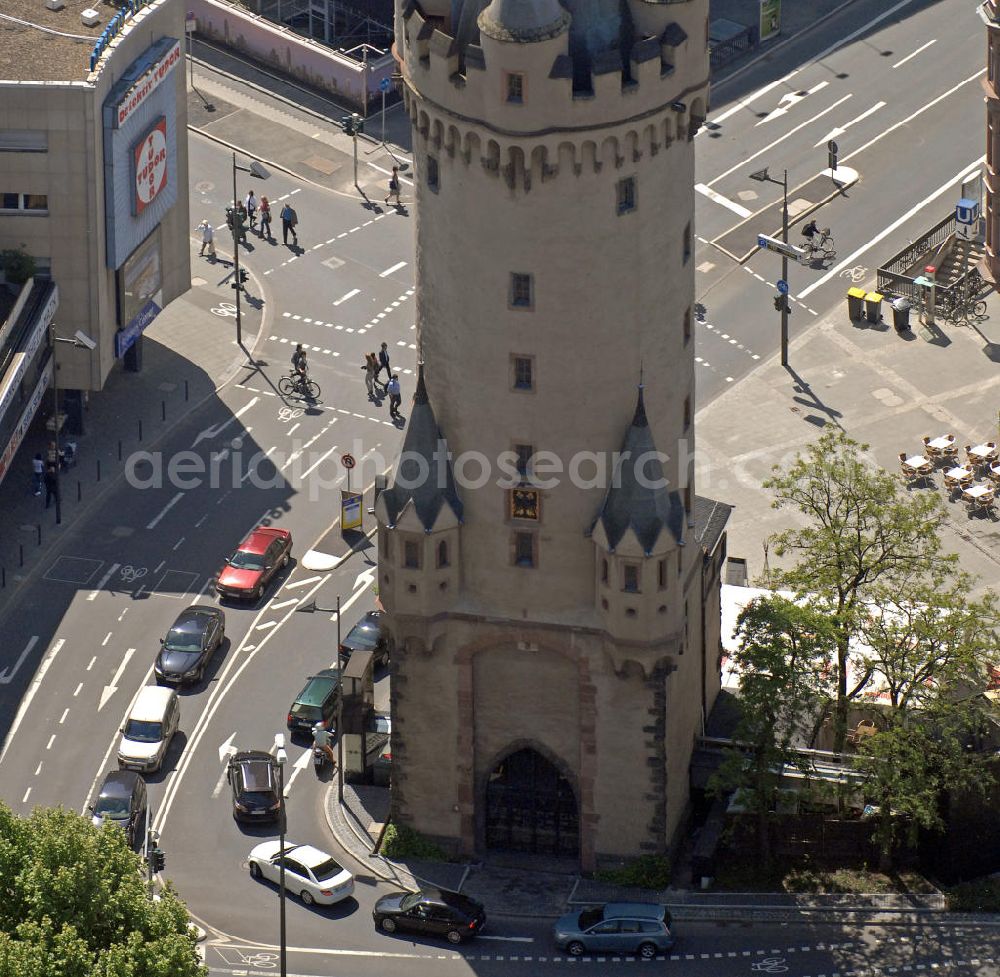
(188, 353)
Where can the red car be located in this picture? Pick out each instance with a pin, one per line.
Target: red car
(259, 557)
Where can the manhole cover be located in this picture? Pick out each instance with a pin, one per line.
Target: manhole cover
(321, 164)
(205, 186)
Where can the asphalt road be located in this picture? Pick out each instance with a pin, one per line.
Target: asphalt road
(93, 620)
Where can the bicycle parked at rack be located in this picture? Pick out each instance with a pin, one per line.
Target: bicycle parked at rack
(305, 386)
(961, 305)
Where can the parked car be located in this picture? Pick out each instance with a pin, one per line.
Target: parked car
(122, 801)
(316, 703)
(148, 729)
(434, 912)
(255, 787)
(189, 644)
(367, 635)
(616, 927)
(310, 874)
(252, 567)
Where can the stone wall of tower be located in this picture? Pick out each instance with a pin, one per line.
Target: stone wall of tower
(991, 87)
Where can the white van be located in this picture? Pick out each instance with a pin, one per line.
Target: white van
(149, 728)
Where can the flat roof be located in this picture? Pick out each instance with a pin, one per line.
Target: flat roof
(57, 48)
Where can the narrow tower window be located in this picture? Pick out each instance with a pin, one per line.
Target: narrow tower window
(661, 573)
(411, 555)
(626, 195)
(524, 549)
(515, 87)
(687, 412)
(524, 454)
(522, 368)
(520, 290)
(432, 174)
(604, 571)
(687, 242)
(630, 578)
(687, 325)
(442, 554)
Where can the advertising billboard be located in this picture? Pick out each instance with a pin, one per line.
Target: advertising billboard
(149, 158)
(139, 298)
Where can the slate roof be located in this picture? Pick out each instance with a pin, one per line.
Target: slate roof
(633, 503)
(673, 35)
(710, 518)
(523, 20)
(424, 451)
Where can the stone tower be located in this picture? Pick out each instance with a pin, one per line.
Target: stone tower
(553, 607)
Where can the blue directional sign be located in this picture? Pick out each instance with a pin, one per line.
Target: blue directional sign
(384, 85)
(782, 286)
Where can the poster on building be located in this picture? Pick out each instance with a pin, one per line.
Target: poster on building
(139, 297)
(770, 19)
(350, 510)
(149, 159)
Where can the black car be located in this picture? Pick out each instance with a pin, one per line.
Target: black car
(122, 801)
(255, 786)
(316, 703)
(367, 635)
(190, 644)
(435, 912)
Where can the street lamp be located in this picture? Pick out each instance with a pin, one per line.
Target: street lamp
(81, 341)
(255, 169)
(280, 756)
(762, 176)
(340, 715)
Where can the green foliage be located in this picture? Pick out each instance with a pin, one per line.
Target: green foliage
(647, 871)
(75, 904)
(17, 264)
(978, 896)
(401, 841)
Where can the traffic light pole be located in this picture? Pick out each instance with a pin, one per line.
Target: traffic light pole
(236, 259)
(784, 269)
(355, 119)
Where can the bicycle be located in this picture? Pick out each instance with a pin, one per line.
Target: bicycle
(965, 311)
(304, 386)
(824, 247)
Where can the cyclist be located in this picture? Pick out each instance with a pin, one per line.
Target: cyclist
(810, 230)
(321, 740)
(300, 366)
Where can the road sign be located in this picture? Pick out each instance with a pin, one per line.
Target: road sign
(384, 85)
(348, 461)
(832, 146)
(782, 286)
(350, 510)
(767, 243)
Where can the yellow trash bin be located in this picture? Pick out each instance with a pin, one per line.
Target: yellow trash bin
(856, 302)
(873, 306)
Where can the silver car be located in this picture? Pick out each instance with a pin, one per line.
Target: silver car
(616, 927)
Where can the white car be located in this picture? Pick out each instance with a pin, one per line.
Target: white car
(310, 873)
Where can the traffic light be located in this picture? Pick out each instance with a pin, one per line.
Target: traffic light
(781, 304)
(777, 303)
(243, 276)
(359, 123)
(347, 122)
(157, 859)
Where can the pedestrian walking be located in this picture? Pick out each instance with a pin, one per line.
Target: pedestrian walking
(251, 206)
(37, 473)
(371, 371)
(54, 456)
(394, 186)
(265, 218)
(51, 481)
(383, 361)
(288, 221)
(207, 239)
(395, 397)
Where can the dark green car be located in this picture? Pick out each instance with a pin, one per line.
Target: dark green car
(316, 703)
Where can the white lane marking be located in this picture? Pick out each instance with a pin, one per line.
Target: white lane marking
(52, 739)
(300, 764)
(7, 675)
(742, 164)
(159, 566)
(100, 583)
(267, 625)
(852, 258)
(178, 543)
(348, 295)
(923, 47)
(62, 718)
(155, 522)
(318, 462)
(90, 664)
(26, 793)
(107, 638)
(122, 615)
(32, 691)
(284, 603)
(507, 939)
(716, 197)
(838, 131)
(787, 101)
(38, 769)
(216, 430)
(253, 468)
(77, 692)
(197, 525)
(112, 688)
(394, 268)
(301, 583)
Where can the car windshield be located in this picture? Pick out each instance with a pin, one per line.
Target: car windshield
(247, 561)
(411, 900)
(142, 732)
(258, 798)
(308, 713)
(182, 641)
(112, 807)
(363, 638)
(589, 917)
(326, 870)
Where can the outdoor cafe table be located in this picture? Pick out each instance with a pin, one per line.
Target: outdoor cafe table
(976, 492)
(982, 453)
(941, 444)
(916, 462)
(956, 476)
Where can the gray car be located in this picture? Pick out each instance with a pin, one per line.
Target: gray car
(122, 801)
(616, 927)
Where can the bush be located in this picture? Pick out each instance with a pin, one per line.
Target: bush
(17, 264)
(978, 896)
(401, 842)
(647, 872)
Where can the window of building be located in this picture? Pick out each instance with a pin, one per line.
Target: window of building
(432, 174)
(630, 578)
(524, 550)
(442, 554)
(524, 454)
(687, 412)
(661, 573)
(687, 325)
(16, 202)
(687, 242)
(24, 141)
(515, 87)
(626, 195)
(604, 571)
(522, 370)
(411, 555)
(521, 290)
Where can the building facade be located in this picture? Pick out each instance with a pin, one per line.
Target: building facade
(94, 175)
(544, 562)
(991, 87)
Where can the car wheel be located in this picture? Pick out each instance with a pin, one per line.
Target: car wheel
(575, 949)
(454, 936)
(284, 562)
(388, 924)
(647, 951)
(255, 872)
(256, 594)
(307, 897)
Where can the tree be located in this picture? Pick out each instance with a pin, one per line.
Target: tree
(74, 903)
(17, 264)
(862, 529)
(784, 650)
(926, 658)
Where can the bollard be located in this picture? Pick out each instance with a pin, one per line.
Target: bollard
(186, 392)
(79, 490)
(20, 547)
(119, 449)
(140, 428)
(163, 410)
(98, 469)
(39, 530)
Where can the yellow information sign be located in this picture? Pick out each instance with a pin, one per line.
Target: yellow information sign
(350, 510)
(770, 18)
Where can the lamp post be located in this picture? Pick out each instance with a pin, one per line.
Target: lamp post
(762, 176)
(255, 170)
(340, 715)
(81, 341)
(280, 756)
